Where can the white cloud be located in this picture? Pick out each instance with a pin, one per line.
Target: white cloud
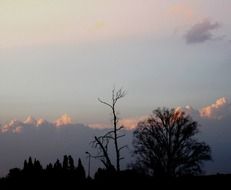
(30, 121)
(189, 110)
(131, 123)
(63, 120)
(41, 121)
(13, 126)
(218, 110)
(16, 126)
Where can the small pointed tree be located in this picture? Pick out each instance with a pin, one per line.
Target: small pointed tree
(25, 165)
(71, 162)
(80, 170)
(65, 162)
(49, 167)
(30, 164)
(57, 165)
(37, 165)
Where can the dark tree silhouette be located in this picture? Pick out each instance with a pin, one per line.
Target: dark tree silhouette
(49, 167)
(57, 165)
(65, 162)
(165, 146)
(80, 170)
(25, 165)
(113, 135)
(30, 163)
(71, 163)
(37, 165)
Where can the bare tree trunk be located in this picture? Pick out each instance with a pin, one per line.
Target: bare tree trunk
(116, 139)
(114, 133)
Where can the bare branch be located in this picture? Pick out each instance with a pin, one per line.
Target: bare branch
(122, 127)
(121, 136)
(122, 147)
(103, 102)
(105, 153)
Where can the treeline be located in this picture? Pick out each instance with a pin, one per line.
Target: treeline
(58, 173)
(65, 175)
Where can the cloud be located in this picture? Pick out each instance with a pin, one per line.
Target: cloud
(189, 110)
(30, 120)
(131, 123)
(201, 32)
(127, 123)
(63, 120)
(13, 126)
(17, 126)
(218, 110)
(99, 126)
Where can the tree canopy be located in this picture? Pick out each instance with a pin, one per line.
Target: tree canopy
(165, 144)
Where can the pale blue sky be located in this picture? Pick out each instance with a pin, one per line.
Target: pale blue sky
(62, 64)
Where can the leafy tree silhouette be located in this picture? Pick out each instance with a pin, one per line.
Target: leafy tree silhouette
(164, 144)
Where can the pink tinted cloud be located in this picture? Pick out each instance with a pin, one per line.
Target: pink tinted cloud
(131, 123)
(217, 110)
(63, 120)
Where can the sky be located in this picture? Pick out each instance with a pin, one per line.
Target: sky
(58, 56)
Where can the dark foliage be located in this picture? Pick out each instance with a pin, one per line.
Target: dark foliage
(59, 177)
(165, 144)
(56, 174)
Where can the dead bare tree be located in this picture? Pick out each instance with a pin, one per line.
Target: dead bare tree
(101, 143)
(113, 135)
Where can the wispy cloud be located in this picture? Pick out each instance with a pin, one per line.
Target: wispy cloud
(201, 32)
